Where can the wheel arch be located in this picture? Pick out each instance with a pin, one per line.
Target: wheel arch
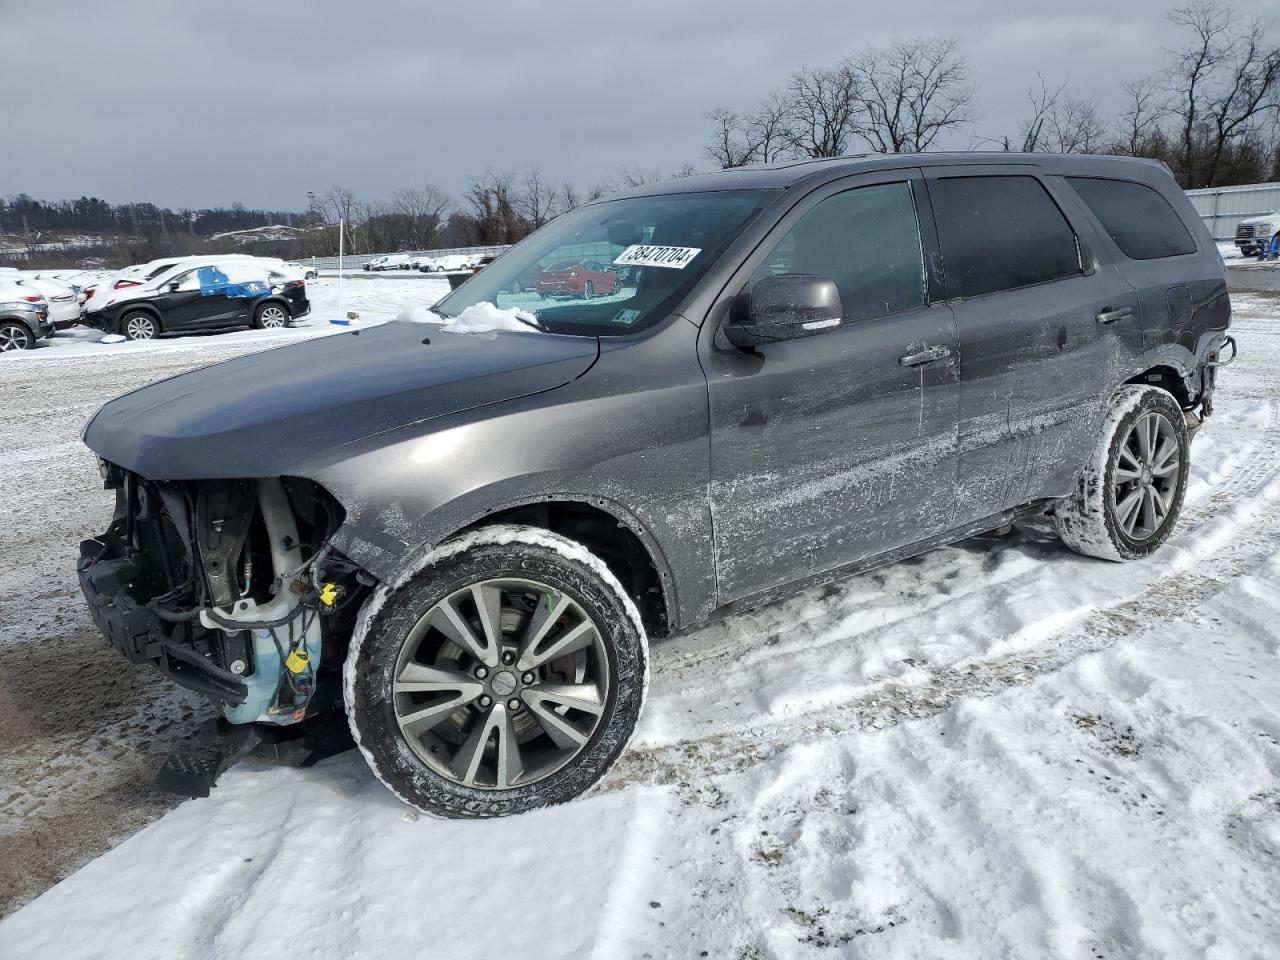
(265, 301)
(1169, 376)
(20, 321)
(609, 531)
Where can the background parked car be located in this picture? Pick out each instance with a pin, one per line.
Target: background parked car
(577, 278)
(307, 271)
(24, 317)
(1254, 234)
(425, 264)
(482, 263)
(454, 261)
(206, 296)
(64, 303)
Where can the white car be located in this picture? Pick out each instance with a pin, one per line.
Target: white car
(308, 272)
(425, 264)
(64, 303)
(455, 262)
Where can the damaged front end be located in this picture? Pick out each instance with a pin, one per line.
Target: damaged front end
(231, 588)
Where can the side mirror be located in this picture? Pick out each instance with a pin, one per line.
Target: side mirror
(173, 287)
(787, 307)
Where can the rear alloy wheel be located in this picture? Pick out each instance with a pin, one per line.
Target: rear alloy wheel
(271, 316)
(588, 290)
(1129, 496)
(15, 336)
(139, 325)
(508, 675)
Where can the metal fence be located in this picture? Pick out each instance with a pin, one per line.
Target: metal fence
(1221, 208)
(356, 261)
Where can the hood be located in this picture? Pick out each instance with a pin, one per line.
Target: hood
(281, 411)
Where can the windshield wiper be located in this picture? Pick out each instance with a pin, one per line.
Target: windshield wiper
(535, 322)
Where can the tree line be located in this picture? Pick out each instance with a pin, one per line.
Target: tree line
(23, 215)
(1212, 112)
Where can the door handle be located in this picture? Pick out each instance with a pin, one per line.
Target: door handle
(938, 351)
(1112, 314)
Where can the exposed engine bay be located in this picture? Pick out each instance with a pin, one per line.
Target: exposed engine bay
(231, 588)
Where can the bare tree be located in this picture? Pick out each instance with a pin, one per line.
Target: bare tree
(425, 214)
(1043, 101)
(536, 201)
(1192, 68)
(910, 92)
(766, 128)
(1060, 123)
(1248, 96)
(1145, 108)
(1074, 126)
(729, 145)
(493, 217)
(822, 106)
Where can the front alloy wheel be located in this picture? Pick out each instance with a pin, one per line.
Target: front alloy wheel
(508, 675)
(140, 326)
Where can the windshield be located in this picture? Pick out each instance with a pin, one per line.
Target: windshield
(614, 267)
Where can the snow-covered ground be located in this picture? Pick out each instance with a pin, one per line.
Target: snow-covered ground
(375, 300)
(997, 749)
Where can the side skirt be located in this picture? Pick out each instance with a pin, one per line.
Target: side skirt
(985, 525)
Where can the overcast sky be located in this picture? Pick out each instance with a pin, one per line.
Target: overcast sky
(201, 104)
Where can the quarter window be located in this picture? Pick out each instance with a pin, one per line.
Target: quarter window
(1001, 233)
(866, 240)
(1139, 220)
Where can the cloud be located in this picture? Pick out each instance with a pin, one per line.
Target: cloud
(200, 104)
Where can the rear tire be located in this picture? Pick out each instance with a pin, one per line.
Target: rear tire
(15, 336)
(271, 316)
(140, 325)
(1130, 493)
(507, 675)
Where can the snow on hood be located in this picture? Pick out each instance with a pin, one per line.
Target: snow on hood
(482, 317)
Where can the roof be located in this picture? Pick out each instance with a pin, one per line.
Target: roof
(790, 173)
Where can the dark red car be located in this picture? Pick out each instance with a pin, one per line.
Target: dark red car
(577, 278)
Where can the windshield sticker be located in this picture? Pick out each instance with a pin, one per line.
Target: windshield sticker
(647, 255)
(627, 316)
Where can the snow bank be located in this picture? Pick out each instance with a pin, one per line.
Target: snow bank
(483, 317)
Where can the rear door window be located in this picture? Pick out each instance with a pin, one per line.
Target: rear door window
(1140, 221)
(866, 240)
(1001, 233)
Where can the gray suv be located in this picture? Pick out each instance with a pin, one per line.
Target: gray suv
(23, 322)
(460, 537)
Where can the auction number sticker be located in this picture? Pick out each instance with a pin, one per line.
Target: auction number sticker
(647, 255)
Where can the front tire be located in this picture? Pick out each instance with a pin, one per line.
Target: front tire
(507, 675)
(140, 325)
(1130, 493)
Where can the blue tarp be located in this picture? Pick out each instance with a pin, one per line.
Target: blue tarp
(215, 283)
